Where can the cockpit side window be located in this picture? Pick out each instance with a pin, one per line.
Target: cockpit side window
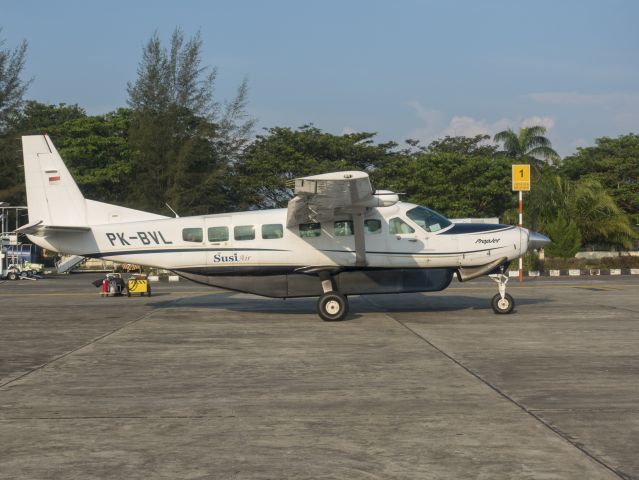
(373, 226)
(428, 219)
(397, 226)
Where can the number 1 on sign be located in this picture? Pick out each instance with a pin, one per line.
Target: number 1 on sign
(521, 177)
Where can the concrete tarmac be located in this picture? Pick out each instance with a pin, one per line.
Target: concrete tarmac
(199, 383)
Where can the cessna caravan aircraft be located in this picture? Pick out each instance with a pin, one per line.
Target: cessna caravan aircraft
(337, 237)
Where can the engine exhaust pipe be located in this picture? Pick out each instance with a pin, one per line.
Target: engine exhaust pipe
(468, 273)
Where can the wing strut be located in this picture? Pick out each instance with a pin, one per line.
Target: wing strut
(360, 239)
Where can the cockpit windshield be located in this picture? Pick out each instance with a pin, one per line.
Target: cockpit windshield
(428, 219)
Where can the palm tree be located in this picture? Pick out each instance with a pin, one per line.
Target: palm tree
(597, 215)
(584, 202)
(529, 146)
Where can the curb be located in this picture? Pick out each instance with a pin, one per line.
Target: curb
(592, 272)
(163, 278)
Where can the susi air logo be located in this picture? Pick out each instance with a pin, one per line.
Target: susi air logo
(487, 241)
(230, 258)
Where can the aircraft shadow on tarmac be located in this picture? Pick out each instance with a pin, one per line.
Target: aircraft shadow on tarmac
(399, 303)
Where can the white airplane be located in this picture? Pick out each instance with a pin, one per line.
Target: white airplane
(337, 237)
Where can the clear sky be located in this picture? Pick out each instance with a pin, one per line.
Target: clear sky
(404, 69)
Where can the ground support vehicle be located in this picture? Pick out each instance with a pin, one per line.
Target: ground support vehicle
(113, 285)
(138, 283)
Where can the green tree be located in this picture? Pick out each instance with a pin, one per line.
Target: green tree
(547, 199)
(477, 146)
(33, 118)
(459, 176)
(94, 148)
(598, 217)
(456, 185)
(37, 118)
(565, 236)
(12, 87)
(269, 164)
(529, 145)
(182, 141)
(586, 203)
(613, 162)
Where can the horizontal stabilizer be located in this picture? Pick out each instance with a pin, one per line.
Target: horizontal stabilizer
(40, 230)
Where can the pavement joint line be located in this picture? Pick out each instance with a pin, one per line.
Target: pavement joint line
(71, 352)
(523, 287)
(504, 395)
(617, 307)
(585, 410)
(117, 417)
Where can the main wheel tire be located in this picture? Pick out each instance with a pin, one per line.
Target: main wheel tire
(502, 305)
(332, 307)
(12, 276)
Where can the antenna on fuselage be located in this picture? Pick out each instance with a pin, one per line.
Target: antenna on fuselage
(169, 206)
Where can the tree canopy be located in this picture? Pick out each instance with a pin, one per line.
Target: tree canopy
(614, 163)
(182, 141)
(12, 86)
(282, 154)
(528, 146)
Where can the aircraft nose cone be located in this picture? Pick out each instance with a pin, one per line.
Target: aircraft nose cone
(537, 240)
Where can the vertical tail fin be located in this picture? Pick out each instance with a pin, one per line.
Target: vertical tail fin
(53, 197)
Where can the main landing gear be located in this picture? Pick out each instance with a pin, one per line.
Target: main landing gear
(332, 306)
(502, 303)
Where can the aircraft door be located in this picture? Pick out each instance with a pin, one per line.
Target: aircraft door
(406, 245)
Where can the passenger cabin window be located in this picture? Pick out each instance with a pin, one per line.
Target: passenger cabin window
(218, 234)
(373, 226)
(343, 228)
(397, 226)
(428, 219)
(273, 230)
(308, 230)
(192, 234)
(244, 232)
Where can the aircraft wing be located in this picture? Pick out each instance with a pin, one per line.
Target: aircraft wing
(321, 198)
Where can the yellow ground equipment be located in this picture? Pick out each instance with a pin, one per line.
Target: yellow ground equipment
(138, 283)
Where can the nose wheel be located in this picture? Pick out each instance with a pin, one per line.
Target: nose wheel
(502, 303)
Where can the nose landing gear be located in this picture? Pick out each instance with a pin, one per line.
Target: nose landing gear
(502, 303)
